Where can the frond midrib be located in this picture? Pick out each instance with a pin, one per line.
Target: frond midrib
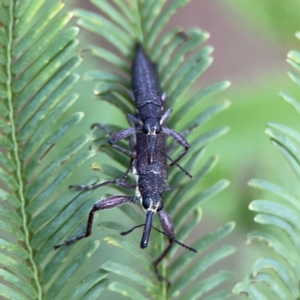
(16, 149)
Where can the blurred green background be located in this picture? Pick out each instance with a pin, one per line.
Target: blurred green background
(251, 40)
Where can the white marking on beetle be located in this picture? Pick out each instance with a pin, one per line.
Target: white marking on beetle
(137, 190)
(154, 172)
(138, 194)
(153, 208)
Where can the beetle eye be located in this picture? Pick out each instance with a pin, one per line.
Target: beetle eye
(146, 202)
(161, 206)
(145, 128)
(158, 129)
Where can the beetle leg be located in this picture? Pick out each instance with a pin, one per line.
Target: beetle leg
(106, 203)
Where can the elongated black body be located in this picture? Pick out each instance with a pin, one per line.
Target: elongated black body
(150, 180)
(145, 87)
(152, 177)
(150, 114)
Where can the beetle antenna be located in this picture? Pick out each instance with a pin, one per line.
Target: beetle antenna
(179, 166)
(177, 242)
(176, 164)
(129, 231)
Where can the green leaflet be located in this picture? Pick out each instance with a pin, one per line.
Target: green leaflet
(37, 61)
(94, 280)
(126, 290)
(72, 268)
(208, 284)
(129, 273)
(280, 273)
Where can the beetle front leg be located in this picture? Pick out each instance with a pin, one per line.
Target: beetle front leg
(124, 133)
(168, 229)
(178, 138)
(165, 116)
(106, 203)
(115, 137)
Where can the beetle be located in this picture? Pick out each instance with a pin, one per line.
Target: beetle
(149, 169)
(149, 190)
(149, 102)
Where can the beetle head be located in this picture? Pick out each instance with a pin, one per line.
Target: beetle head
(151, 204)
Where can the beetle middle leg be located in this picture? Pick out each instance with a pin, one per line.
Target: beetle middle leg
(125, 133)
(122, 134)
(118, 182)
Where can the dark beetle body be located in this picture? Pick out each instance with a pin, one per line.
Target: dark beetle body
(152, 177)
(150, 114)
(145, 86)
(148, 153)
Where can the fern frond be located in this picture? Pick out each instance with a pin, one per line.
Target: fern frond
(180, 62)
(37, 60)
(277, 277)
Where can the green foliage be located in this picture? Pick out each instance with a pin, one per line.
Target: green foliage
(280, 272)
(179, 63)
(37, 60)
